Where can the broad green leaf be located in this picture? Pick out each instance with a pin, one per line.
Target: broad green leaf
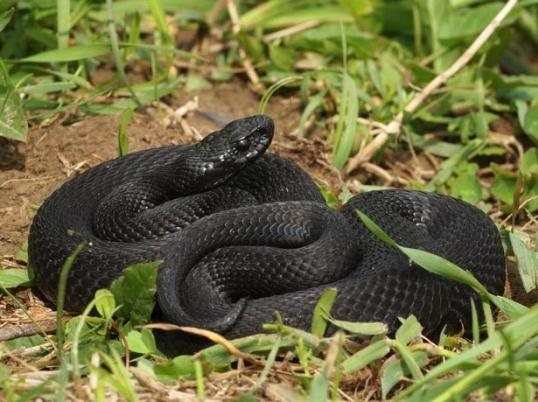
(362, 358)
(22, 253)
(145, 93)
(467, 187)
(448, 166)
(141, 342)
(135, 291)
(408, 358)
(530, 123)
(358, 7)
(105, 303)
(13, 124)
(527, 263)
(409, 330)
(25, 342)
(503, 188)
(279, 14)
(7, 5)
(283, 58)
(323, 307)
(180, 366)
(14, 277)
(5, 17)
(361, 328)
(73, 53)
(529, 163)
(196, 82)
(468, 21)
(510, 307)
(319, 388)
(440, 266)
(397, 371)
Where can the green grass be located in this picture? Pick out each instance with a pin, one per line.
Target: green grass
(356, 64)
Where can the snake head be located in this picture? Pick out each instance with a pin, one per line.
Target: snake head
(222, 153)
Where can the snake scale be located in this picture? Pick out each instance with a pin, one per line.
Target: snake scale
(244, 233)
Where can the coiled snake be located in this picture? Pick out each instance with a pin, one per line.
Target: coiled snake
(244, 233)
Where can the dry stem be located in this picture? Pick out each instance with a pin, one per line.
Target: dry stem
(394, 127)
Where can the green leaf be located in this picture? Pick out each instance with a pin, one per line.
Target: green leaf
(450, 165)
(323, 307)
(5, 17)
(25, 342)
(14, 277)
(22, 253)
(135, 291)
(145, 93)
(196, 82)
(141, 342)
(358, 7)
(246, 397)
(370, 353)
(283, 58)
(409, 330)
(181, 366)
(530, 123)
(105, 303)
(503, 187)
(529, 163)
(440, 266)
(319, 388)
(73, 53)
(527, 263)
(13, 124)
(398, 371)
(361, 328)
(372, 226)
(467, 187)
(468, 22)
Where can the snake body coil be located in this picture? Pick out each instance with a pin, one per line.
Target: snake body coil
(244, 234)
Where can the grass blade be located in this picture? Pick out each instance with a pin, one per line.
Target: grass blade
(73, 53)
(347, 114)
(123, 140)
(116, 52)
(370, 353)
(273, 88)
(63, 8)
(323, 307)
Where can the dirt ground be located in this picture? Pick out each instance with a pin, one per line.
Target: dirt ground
(31, 171)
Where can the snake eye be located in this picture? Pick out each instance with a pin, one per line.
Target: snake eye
(242, 145)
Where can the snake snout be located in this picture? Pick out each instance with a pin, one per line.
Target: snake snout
(249, 137)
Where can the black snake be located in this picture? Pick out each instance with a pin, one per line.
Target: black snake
(244, 233)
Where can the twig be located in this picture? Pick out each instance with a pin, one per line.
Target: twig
(290, 31)
(215, 12)
(17, 331)
(394, 127)
(247, 64)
